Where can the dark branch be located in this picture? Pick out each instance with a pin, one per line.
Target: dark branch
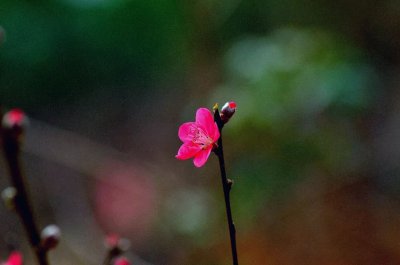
(11, 147)
(226, 184)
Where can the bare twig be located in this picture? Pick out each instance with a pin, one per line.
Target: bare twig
(11, 135)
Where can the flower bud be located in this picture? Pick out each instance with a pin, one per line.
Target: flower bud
(15, 121)
(121, 261)
(50, 237)
(227, 111)
(8, 195)
(114, 241)
(229, 182)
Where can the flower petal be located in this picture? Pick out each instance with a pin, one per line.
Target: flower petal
(188, 150)
(205, 119)
(216, 134)
(186, 130)
(201, 157)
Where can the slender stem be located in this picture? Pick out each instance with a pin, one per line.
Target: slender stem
(226, 185)
(11, 147)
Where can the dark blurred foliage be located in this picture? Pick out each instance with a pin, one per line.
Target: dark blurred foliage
(312, 148)
(59, 54)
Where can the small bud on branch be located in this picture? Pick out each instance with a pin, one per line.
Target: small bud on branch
(8, 195)
(116, 246)
(227, 111)
(14, 123)
(50, 237)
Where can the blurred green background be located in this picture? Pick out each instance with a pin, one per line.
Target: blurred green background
(313, 148)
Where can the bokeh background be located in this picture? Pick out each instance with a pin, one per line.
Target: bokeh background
(313, 149)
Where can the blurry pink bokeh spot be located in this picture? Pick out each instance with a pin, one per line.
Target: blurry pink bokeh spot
(125, 201)
(15, 258)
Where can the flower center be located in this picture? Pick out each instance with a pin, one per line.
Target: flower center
(200, 137)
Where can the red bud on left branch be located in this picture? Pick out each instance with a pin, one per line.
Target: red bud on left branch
(14, 123)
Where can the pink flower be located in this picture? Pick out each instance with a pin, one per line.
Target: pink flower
(121, 261)
(15, 258)
(199, 138)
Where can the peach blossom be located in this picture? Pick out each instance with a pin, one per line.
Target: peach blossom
(199, 138)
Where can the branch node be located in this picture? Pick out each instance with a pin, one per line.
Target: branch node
(230, 183)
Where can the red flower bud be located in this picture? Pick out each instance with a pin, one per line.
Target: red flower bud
(227, 111)
(14, 122)
(14, 118)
